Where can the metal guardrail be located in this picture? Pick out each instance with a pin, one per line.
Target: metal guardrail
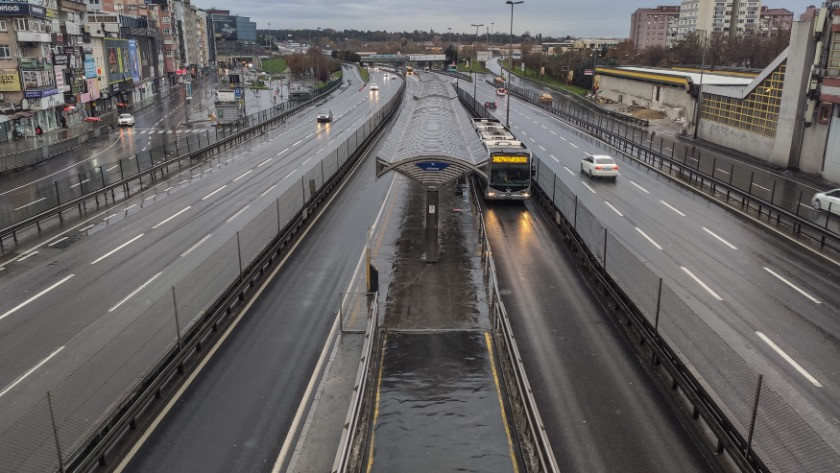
(354, 412)
(254, 125)
(541, 454)
(75, 425)
(698, 178)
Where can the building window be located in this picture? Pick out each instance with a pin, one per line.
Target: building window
(165, 19)
(758, 112)
(2, 25)
(5, 51)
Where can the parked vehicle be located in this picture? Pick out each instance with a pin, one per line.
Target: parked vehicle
(825, 200)
(599, 165)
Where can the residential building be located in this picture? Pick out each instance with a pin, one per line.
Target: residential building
(718, 16)
(775, 21)
(649, 27)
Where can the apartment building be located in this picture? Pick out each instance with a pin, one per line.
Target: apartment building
(775, 21)
(649, 26)
(718, 16)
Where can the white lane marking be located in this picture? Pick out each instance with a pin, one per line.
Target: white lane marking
(552, 132)
(57, 241)
(213, 193)
(666, 204)
(307, 160)
(109, 217)
(130, 207)
(264, 162)
(81, 230)
(563, 138)
(524, 134)
(36, 296)
(30, 371)
(112, 168)
(26, 256)
(648, 238)
(167, 189)
(719, 238)
(721, 170)
(243, 175)
(790, 360)
(761, 187)
(569, 170)
(236, 214)
(640, 187)
(797, 289)
(268, 190)
(172, 216)
(297, 142)
(613, 209)
(31, 203)
(526, 116)
(281, 152)
(309, 135)
(701, 283)
(588, 187)
(287, 175)
(532, 140)
(116, 249)
(541, 147)
(190, 249)
(554, 157)
(806, 205)
(134, 292)
(573, 145)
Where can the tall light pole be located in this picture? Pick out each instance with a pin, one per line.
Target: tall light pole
(699, 103)
(492, 24)
(510, 58)
(472, 65)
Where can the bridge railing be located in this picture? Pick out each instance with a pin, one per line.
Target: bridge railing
(758, 428)
(76, 424)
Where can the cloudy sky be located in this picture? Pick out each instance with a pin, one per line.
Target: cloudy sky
(610, 18)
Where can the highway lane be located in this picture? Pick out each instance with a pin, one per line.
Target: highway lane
(172, 219)
(236, 413)
(602, 411)
(163, 122)
(767, 286)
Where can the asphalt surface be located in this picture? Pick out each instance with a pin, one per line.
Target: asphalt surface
(126, 257)
(758, 286)
(164, 122)
(236, 414)
(602, 411)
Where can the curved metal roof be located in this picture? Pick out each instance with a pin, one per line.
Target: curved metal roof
(432, 141)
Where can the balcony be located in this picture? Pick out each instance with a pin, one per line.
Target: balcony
(33, 63)
(33, 37)
(71, 28)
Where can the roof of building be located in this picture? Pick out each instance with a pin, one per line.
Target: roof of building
(432, 141)
(675, 77)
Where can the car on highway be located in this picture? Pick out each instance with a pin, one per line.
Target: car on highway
(325, 116)
(491, 105)
(827, 200)
(501, 91)
(125, 119)
(599, 165)
(374, 88)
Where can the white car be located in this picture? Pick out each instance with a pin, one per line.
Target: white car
(599, 165)
(125, 119)
(825, 200)
(374, 88)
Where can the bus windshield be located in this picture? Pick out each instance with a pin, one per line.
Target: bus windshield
(508, 176)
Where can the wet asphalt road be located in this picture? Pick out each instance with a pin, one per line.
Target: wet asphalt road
(115, 255)
(672, 229)
(601, 409)
(236, 414)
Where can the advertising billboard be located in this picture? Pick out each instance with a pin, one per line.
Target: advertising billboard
(9, 80)
(134, 59)
(90, 67)
(225, 27)
(117, 61)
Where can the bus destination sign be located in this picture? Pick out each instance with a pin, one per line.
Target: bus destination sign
(507, 159)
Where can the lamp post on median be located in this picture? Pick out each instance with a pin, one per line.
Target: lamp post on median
(699, 103)
(472, 65)
(510, 58)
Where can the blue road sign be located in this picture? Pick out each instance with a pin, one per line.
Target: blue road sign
(237, 93)
(432, 166)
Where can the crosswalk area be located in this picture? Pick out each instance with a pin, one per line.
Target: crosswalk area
(155, 131)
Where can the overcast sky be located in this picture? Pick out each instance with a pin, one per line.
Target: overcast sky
(587, 18)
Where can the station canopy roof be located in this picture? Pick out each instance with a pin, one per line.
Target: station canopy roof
(432, 141)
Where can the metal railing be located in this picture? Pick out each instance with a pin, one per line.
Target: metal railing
(116, 181)
(540, 451)
(757, 427)
(79, 420)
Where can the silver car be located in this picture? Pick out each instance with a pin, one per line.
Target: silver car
(599, 165)
(827, 200)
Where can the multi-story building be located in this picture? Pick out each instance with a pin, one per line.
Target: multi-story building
(775, 21)
(718, 16)
(649, 26)
(68, 61)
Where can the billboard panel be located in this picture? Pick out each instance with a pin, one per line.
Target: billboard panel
(134, 59)
(225, 27)
(90, 67)
(117, 60)
(9, 80)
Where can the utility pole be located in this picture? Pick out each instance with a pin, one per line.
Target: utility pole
(510, 58)
(472, 66)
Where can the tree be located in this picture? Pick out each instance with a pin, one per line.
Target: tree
(451, 54)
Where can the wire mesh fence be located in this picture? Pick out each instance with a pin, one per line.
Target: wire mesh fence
(782, 438)
(65, 419)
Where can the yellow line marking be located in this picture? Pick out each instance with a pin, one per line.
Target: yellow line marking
(489, 340)
(376, 408)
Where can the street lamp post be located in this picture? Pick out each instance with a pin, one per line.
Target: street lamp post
(510, 58)
(472, 65)
(699, 103)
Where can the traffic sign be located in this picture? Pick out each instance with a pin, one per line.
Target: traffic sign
(237, 93)
(432, 166)
(587, 72)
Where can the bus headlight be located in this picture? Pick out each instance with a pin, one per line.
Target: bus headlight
(491, 194)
